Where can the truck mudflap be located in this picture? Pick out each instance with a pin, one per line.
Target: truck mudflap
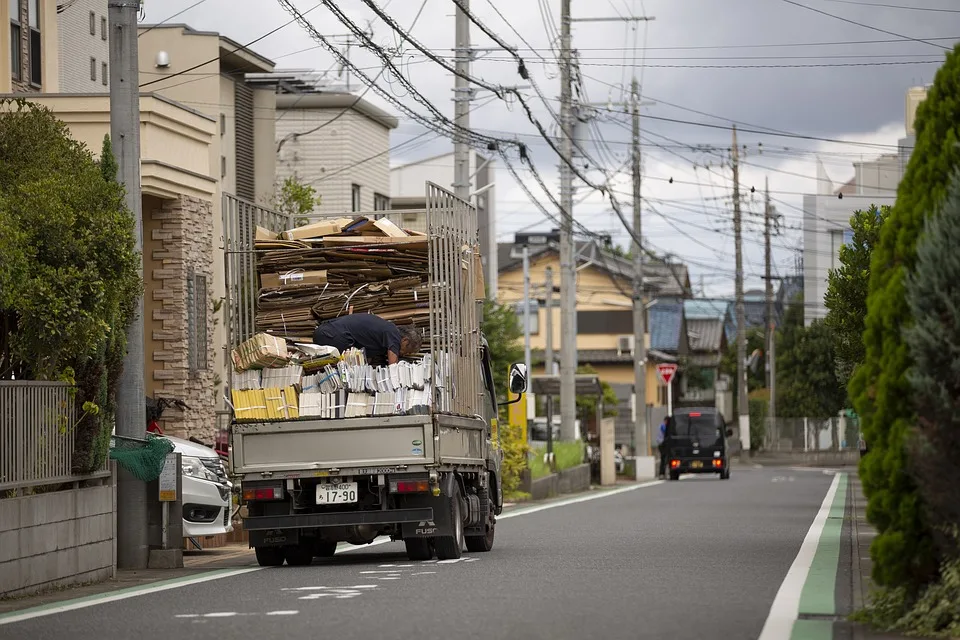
(337, 519)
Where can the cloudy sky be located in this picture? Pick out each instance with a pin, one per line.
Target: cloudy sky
(771, 66)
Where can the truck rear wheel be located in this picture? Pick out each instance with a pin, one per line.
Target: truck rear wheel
(324, 549)
(269, 556)
(482, 543)
(451, 547)
(418, 549)
(300, 555)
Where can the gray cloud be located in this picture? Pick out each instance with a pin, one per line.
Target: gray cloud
(852, 102)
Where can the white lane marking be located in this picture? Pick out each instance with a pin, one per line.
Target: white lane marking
(587, 498)
(451, 561)
(363, 573)
(187, 615)
(424, 573)
(282, 613)
(82, 603)
(786, 606)
(220, 614)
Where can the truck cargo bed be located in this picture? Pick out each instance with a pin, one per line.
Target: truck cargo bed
(359, 445)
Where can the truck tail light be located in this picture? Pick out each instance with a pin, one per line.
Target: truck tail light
(274, 492)
(413, 486)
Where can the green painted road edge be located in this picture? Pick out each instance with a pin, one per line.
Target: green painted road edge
(819, 595)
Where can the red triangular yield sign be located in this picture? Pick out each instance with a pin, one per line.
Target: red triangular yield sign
(666, 372)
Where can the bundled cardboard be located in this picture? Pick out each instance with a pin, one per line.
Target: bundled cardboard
(293, 276)
(265, 404)
(316, 230)
(260, 351)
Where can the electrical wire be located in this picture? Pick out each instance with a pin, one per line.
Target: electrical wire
(894, 6)
(168, 19)
(865, 26)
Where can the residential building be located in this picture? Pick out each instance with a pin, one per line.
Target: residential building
(222, 80)
(407, 194)
(178, 198)
(338, 143)
(605, 339)
(28, 47)
(826, 214)
(84, 47)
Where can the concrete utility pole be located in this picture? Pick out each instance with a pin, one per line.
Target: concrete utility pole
(641, 438)
(548, 356)
(568, 273)
(461, 104)
(133, 550)
(743, 409)
(771, 319)
(526, 311)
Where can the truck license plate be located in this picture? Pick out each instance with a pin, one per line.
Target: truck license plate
(340, 493)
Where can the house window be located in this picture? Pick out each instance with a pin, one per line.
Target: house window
(15, 35)
(355, 197)
(103, 28)
(33, 14)
(93, 68)
(380, 202)
(103, 73)
(93, 23)
(196, 322)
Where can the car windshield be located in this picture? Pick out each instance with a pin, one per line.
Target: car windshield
(705, 428)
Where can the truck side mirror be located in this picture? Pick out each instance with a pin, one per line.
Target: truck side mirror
(518, 378)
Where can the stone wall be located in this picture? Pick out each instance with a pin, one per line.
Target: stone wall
(55, 539)
(572, 480)
(183, 307)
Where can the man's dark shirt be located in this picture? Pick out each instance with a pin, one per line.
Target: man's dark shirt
(364, 331)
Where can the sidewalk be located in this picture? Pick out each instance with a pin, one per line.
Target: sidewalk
(862, 534)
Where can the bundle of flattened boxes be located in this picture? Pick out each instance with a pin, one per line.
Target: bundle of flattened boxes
(277, 381)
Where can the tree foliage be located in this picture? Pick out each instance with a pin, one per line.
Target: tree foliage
(847, 287)
(69, 273)
(882, 395)
(933, 296)
(807, 385)
(755, 376)
(295, 198)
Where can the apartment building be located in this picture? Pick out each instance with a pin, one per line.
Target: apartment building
(335, 141)
(29, 47)
(826, 214)
(84, 53)
(222, 80)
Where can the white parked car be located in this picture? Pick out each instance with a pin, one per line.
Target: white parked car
(207, 499)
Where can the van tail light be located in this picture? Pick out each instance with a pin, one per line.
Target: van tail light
(717, 463)
(674, 464)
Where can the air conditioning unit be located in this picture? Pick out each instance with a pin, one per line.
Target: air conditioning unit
(625, 345)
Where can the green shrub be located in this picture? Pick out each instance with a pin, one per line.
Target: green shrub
(882, 395)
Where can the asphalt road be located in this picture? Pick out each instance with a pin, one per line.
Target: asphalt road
(699, 558)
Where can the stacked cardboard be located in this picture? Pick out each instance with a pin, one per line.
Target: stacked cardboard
(262, 350)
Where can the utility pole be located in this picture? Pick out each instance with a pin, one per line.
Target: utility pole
(548, 357)
(743, 409)
(641, 438)
(568, 274)
(771, 319)
(526, 311)
(133, 550)
(461, 104)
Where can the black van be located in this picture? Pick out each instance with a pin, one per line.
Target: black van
(697, 443)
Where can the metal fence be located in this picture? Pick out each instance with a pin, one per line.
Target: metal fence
(811, 434)
(454, 328)
(36, 433)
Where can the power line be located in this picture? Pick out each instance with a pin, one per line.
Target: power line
(894, 6)
(168, 19)
(777, 44)
(865, 26)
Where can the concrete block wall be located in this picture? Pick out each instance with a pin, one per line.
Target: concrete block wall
(54, 539)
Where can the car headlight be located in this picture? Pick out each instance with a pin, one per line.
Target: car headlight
(193, 468)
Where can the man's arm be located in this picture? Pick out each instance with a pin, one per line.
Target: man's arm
(392, 357)
(391, 340)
